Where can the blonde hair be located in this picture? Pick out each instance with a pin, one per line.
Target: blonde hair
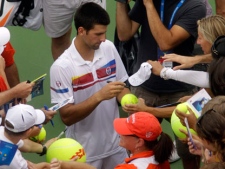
(212, 27)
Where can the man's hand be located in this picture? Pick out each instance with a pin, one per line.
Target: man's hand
(112, 89)
(132, 108)
(22, 90)
(49, 114)
(156, 67)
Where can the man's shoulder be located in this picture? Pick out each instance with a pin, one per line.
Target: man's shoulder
(62, 60)
(194, 3)
(107, 43)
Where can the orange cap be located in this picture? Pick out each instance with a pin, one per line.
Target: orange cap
(141, 124)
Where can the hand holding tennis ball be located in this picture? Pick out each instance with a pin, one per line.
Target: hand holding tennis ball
(129, 99)
(175, 121)
(182, 108)
(40, 137)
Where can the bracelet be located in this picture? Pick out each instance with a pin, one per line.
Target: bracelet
(163, 73)
(44, 151)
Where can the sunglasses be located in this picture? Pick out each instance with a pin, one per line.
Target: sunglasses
(218, 40)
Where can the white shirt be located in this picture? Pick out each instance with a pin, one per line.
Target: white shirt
(70, 75)
(18, 161)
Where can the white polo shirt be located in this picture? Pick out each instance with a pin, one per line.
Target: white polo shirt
(70, 75)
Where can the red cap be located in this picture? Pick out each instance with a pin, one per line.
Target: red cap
(141, 124)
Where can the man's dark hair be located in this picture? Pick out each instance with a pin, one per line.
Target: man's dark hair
(90, 14)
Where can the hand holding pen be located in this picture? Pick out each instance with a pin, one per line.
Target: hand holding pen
(49, 114)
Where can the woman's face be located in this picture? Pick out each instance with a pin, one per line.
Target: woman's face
(205, 45)
(128, 142)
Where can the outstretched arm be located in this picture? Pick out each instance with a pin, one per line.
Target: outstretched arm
(196, 78)
(141, 106)
(187, 61)
(22, 90)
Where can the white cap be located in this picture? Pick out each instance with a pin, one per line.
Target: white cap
(141, 75)
(23, 117)
(4, 38)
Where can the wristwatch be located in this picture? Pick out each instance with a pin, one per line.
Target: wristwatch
(44, 151)
(163, 73)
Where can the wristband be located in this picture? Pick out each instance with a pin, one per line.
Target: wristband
(122, 1)
(44, 151)
(163, 73)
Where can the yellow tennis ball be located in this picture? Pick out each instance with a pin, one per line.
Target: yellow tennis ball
(182, 107)
(66, 149)
(129, 99)
(40, 137)
(176, 124)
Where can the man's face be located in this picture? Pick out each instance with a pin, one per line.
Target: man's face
(94, 37)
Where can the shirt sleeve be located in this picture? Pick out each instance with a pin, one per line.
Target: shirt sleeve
(196, 78)
(8, 54)
(60, 84)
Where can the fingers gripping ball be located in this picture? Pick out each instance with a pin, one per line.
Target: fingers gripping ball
(182, 107)
(66, 149)
(129, 99)
(40, 137)
(175, 121)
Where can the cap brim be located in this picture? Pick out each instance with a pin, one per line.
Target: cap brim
(40, 117)
(134, 80)
(141, 75)
(120, 125)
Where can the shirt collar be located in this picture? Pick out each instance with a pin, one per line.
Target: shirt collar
(79, 60)
(139, 155)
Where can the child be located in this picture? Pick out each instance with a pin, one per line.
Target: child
(19, 123)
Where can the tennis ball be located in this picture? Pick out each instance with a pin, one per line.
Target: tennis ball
(182, 107)
(40, 137)
(66, 149)
(175, 121)
(129, 99)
